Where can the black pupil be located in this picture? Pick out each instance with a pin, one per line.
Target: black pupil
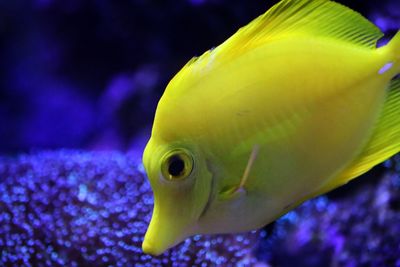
(176, 166)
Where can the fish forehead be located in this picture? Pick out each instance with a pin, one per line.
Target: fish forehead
(177, 121)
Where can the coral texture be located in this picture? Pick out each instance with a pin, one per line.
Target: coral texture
(71, 208)
(82, 209)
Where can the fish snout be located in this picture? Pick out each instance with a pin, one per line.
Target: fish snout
(164, 232)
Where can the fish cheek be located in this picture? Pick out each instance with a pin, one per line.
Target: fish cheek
(185, 198)
(202, 191)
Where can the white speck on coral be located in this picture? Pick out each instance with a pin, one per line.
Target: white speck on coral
(82, 192)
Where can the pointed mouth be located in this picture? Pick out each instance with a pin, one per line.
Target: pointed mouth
(166, 229)
(148, 248)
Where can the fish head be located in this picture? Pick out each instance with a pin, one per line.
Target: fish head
(189, 170)
(190, 199)
(181, 184)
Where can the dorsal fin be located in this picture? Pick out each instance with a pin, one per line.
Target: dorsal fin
(288, 19)
(316, 18)
(291, 18)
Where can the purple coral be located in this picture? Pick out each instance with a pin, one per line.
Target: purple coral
(92, 209)
(83, 209)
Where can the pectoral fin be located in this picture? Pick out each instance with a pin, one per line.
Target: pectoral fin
(238, 190)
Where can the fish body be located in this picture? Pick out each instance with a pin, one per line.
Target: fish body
(298, 102)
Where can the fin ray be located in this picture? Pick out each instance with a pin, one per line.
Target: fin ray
(316, 18)
(239, 189)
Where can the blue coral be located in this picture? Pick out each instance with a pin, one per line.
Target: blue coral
(71, 208)
(91, 209)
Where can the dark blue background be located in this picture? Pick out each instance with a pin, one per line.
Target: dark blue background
(88, 74)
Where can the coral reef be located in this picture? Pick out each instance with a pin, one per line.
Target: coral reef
(82, 209)
(71, 208)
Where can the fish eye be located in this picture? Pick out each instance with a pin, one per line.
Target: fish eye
(177, 164)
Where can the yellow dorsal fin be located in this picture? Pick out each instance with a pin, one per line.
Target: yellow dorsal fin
(315, 18)
(384, 142)
(289, 19)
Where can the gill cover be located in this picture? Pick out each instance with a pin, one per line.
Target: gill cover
(181, 184)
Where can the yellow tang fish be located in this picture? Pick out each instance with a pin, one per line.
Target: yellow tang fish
(296, 103)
